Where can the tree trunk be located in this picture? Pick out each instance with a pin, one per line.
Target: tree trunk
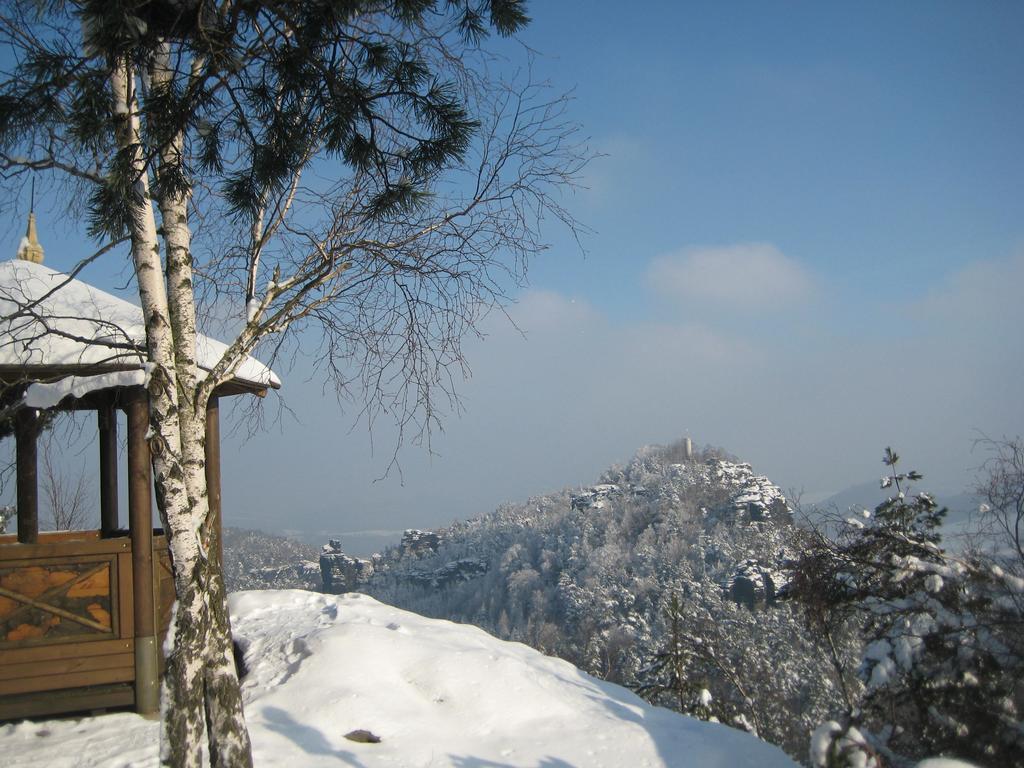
(181, 700)
(227, 736)
(197, 669)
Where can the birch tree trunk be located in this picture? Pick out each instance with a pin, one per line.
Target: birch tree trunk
(200, 579)
(200, 692)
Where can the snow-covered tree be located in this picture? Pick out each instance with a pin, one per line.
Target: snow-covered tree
(671, 675)
(943, 654)
(351, 169)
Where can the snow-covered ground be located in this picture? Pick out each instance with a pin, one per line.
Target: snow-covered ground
(434, 692)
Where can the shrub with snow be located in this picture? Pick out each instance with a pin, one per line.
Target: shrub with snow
(943, 661)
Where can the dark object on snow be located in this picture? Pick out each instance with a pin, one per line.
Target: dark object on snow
(240, 667)
(363, 737)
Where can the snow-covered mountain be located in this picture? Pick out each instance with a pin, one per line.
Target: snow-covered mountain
(327, 675)
(588, 574)
(258, 560)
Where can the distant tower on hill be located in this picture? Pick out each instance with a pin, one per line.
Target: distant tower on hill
(688, 448)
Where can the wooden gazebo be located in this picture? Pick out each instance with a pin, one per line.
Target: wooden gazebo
(83, 613)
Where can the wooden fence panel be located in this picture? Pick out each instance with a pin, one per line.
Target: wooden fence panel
(58, 600)
(66, 622)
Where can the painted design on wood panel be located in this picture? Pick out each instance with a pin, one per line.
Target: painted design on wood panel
(55, 601)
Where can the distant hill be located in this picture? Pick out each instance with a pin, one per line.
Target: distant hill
(588, 574)
(258, 560)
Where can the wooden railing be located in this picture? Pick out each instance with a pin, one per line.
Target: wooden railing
(67, 623)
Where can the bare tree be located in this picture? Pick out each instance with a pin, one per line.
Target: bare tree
(66, 491)
(354, 178)
(1000, 485)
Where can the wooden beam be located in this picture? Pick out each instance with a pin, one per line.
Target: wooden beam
(25, 374)
(140, 524)
(107, 417)
(213, 477)
(77, 699)
(140, 510)
(119, 674)
(56, 610)
(44, 669)
(74, 700)
(26, 430)
(58, 544)
(42, 653)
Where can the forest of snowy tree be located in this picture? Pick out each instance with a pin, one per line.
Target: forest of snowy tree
(685, 576)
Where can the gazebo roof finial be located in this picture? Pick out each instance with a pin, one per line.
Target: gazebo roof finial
(30, 249)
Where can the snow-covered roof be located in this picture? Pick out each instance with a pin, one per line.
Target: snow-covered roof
(80, 339)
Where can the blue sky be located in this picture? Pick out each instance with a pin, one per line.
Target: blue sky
(808, 244)
(876, 143)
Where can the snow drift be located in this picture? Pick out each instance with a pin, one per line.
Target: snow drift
(435, 693)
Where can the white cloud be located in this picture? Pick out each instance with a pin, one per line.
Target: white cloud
(752, 275)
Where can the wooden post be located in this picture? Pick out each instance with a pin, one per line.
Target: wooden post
(26, 431)
(213, 476)
(107, 418)
(140, 524)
